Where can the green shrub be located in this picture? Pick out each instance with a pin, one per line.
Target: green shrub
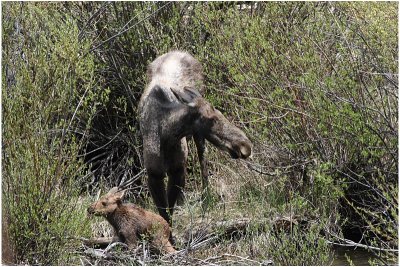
(299, 247)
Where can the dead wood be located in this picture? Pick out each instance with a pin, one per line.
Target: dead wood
(203, 235)
(98, 241)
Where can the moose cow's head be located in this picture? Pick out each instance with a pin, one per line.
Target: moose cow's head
(212, 124)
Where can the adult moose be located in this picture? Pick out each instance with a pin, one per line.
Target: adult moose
(171, 109)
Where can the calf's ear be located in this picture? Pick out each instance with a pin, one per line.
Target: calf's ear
(113, 190)
(119, 196)
(186, 97)
(116, 194)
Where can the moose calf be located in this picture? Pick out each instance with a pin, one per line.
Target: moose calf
(131, 222)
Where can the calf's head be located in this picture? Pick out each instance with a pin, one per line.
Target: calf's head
(213, 126)
(107, 204)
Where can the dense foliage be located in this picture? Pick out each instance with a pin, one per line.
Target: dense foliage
(314, 86)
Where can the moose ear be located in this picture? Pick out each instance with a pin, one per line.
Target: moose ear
(120, 194)
(187, 96)
(160, 94)
(113, 191)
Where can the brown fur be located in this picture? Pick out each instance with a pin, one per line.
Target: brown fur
(131, 222)
(170, 110)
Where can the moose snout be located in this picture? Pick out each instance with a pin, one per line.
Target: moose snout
(245, 149)
(241, 149)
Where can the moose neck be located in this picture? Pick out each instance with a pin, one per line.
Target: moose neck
(116, 217)
(179, 123)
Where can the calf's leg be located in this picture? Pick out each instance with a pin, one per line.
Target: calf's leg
(161, 241)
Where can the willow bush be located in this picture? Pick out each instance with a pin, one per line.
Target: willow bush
(317, 83)
(48, 90)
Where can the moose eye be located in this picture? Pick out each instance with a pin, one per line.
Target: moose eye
(103, 203)
(213, 118)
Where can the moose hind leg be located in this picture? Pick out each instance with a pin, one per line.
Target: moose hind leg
(163, 244)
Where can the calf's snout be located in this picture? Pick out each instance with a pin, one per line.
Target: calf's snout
(90, 210)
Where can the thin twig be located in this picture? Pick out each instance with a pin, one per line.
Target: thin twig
(112, 245)
(97, 13)
(350, 243)
(127, 29)
(127, 183)
(106, 144)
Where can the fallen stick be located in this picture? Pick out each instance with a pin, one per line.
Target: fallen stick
(100, 241)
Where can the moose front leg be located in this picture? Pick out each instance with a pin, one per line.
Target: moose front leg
(176, 183)
(158, 193)
(201, 149)
(128, 236)
(176, 171)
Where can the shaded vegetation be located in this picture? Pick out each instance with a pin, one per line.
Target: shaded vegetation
(314, 86)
